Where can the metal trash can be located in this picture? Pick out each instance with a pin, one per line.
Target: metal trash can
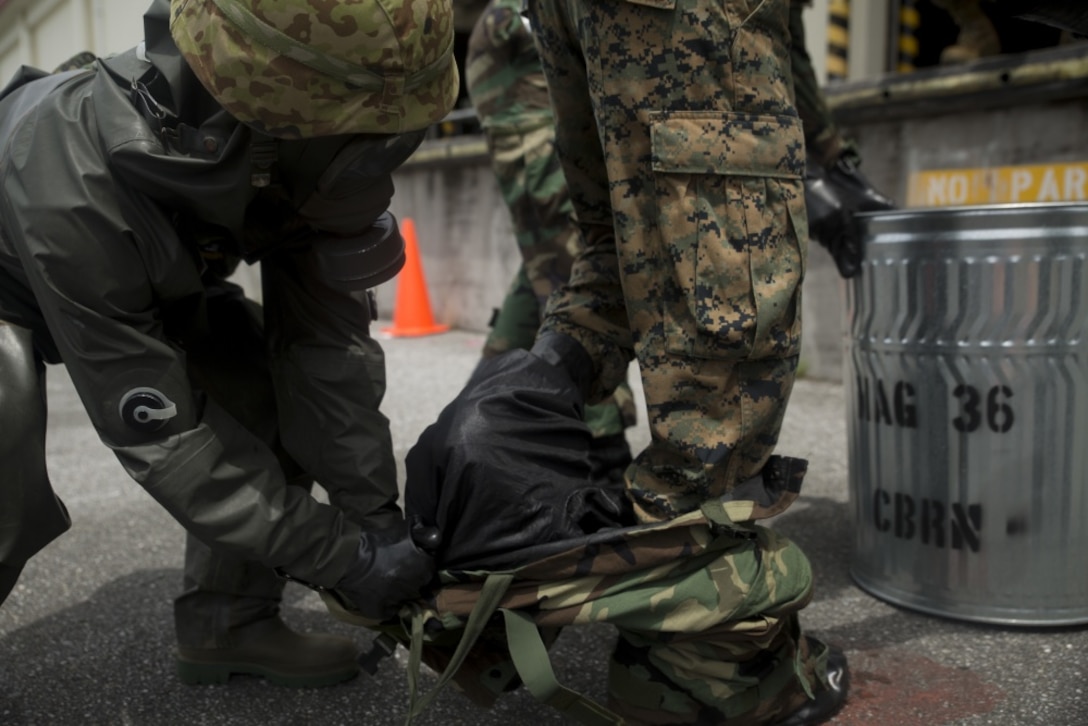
(967, 386)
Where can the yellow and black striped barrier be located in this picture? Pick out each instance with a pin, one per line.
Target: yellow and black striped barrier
(909, 21)
(838, 39)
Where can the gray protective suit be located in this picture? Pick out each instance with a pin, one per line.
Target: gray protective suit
(126, 197)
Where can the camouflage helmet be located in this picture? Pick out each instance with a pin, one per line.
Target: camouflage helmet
(305, 68)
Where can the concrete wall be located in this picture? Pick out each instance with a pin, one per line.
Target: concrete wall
(45, 33)
(463, 230)
(1048, 133)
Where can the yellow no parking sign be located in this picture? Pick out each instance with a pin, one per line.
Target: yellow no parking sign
(1064, 182)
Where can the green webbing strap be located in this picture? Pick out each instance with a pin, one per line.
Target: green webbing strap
(491, 594)
(535, 668)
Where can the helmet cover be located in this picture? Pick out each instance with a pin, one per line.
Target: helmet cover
(305, 68)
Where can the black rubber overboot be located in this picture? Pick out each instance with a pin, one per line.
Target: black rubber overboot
(227, 622)
(224, 635)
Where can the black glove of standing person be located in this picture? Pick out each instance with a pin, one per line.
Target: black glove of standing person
(392, 566)
(833, 195)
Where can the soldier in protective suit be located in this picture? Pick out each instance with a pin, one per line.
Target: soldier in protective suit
(129, 190)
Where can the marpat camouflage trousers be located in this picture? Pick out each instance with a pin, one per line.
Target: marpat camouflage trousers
(683, 154)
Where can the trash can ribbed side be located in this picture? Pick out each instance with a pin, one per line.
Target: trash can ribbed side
(967, 383)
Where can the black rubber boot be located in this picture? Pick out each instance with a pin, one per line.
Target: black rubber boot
(222, 632)
(269, 649)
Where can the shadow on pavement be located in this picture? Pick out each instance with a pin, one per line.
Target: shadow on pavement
(109, 660)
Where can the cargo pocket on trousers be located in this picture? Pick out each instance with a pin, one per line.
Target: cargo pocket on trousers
(731, 213)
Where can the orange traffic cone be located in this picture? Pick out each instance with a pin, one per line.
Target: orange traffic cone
(412, 308)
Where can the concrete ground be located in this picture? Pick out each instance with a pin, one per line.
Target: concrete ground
(86, 637)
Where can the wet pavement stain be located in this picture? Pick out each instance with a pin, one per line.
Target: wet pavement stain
(896, 687)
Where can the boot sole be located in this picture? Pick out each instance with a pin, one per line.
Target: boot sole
(196, 674)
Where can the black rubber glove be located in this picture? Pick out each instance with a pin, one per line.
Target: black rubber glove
(833, 196)
(391, 567)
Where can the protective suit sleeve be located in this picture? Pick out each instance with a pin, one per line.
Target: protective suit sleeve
(109, 275)
(328, 373)
(226, 487)
(330, 379)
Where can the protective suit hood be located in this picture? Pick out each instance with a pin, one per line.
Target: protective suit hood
(195, 157)
(180, 148)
